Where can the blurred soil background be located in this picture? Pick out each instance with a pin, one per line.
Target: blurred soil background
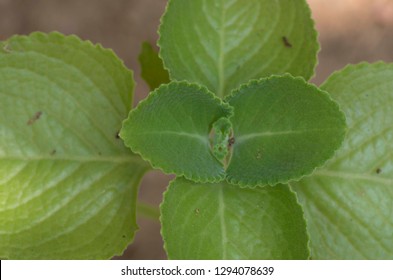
(350, 31)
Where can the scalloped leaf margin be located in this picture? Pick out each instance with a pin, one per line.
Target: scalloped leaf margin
(171, 128)
(68, 185)
(348, 202)
(221, 221)
(283, 129)
(223, 44)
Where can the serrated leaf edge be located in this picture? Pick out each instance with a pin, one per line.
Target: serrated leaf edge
(69, 39)
(314, 37)
(66, 38)
(187, 175)
(164, 246)
(349, 68)
(260, 183)
(290, 190)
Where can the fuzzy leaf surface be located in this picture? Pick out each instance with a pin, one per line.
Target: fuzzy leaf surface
(222, 221)
(222, 130)
(68, 185)
(348, 203)
(223, 44)
(283, 129)
(152, 68)
(171, 130)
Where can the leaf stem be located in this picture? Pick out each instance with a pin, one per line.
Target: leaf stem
(148, 211)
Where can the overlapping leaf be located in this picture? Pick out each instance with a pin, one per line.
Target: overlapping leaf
(283, 129)
(222, 44)
(171, 130)
(152, 68)
(348, 203)
(68, 185)
(222, 221)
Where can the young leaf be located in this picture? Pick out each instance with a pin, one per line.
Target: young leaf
(152, 68)
(222, 130)
(284, 128)
(222, 44)
(171, 129)
(222, 221)
(348, 203)
(68, 186)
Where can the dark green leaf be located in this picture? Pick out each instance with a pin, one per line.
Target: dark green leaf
(152, 68)
(283, 128)
(171, 130)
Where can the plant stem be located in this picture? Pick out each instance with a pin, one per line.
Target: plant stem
(148, 211)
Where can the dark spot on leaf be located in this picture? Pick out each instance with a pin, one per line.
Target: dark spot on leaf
(34, 118)
(124, 236)
(53, 152)
(231, 141)
(99, 153)
(378, 170)
(117, 135)
(286, 42)
(197, 211)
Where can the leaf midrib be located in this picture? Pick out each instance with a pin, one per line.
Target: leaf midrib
(221, 214)
(221, 59)
(250, 136)
(197, 136)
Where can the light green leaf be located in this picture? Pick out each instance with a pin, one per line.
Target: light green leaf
(171, 130)
(68, 186)
(222, 130)
(152, 68)
(348, 203)
(283, 129)
(223, 44)
(222, 221)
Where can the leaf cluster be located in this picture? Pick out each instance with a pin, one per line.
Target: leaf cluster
(267, 165)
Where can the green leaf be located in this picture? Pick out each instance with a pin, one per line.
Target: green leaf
(222, 130)
(348, 203)
(170, 129)
(152, 68)
(223, 44)
(283, 129)
(68, 186)
(222, 221)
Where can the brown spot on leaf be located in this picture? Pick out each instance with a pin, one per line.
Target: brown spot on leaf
(53, 152)
(34, 118)
(286, 42)
(117, 135)
(378, 170)
(231, 141)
